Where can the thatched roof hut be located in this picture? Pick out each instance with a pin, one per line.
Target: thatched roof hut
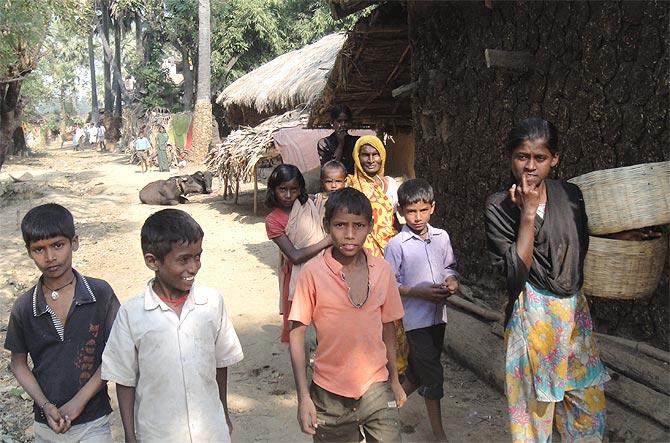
(289, 81)
(372, 72)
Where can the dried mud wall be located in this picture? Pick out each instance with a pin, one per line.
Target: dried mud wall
(600, 74)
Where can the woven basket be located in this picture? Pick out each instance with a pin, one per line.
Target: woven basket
(626, 198)
(623, 269)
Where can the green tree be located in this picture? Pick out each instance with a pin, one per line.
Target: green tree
(24, 25)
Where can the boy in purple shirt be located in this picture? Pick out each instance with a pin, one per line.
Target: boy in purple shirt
(424, 266)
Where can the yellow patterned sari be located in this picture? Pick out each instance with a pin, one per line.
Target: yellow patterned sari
(383, 228)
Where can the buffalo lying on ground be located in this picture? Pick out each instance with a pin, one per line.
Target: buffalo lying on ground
(175, 189)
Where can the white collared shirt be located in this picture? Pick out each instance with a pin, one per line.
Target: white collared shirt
(171, 361)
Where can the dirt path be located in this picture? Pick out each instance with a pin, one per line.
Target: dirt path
(101, 191)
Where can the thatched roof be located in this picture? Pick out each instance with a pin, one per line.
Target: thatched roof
(287, 82)
(374, 61)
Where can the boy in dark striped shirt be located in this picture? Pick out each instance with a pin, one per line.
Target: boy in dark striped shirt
(63, 323)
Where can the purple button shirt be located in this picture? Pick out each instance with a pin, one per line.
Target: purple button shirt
(418, 262)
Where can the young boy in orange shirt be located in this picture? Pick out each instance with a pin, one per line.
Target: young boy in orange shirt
(352, 299)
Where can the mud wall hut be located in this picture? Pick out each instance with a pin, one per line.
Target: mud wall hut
(598, 70)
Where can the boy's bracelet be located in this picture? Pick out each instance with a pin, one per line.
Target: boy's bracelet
(46, 403)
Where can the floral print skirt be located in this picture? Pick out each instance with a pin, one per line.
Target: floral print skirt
(553, 369)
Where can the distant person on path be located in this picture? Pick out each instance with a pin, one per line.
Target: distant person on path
(340, 144)
(63, 322)
(170, 347)
(142, 145)
(537, 237)
(76, 137)
(92, 131)
(352, 299)
(286, 193)
(161, 150)
(100, 136)
(423, 262)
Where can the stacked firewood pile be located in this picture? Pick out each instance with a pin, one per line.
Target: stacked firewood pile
(236, 158)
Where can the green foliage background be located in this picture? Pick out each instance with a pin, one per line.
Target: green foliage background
(245, 34)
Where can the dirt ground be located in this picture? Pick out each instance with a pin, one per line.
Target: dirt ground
(101, 190)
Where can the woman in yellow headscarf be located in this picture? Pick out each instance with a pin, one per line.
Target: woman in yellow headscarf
(368, 177)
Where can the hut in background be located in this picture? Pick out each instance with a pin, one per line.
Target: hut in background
(292, 80)
(372, 75)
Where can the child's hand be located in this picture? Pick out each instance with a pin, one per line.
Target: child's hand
(70, 411)
(637, 234)
(399, 394)
(55, 421)
(307, 416)
(435, 293)
(451, 284)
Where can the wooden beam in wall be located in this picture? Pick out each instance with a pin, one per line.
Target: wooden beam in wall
(404, 89)
(496, 58)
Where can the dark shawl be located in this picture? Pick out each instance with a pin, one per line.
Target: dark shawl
(326, 149)
(561, 241)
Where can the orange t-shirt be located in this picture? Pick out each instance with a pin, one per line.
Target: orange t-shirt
(350, 354)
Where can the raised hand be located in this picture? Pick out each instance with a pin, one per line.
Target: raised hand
(527, 197)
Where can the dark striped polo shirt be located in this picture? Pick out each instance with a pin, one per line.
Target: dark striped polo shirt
(66, 356)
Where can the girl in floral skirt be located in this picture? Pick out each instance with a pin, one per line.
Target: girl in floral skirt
(537, 236)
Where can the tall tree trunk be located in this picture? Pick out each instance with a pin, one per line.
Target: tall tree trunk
(94, 87)
(109, 97)
(139, 48)
(117, 72)
(107, 52)
(9, 116)
(202, 114)
(62, 126)
(113, 133)
(187, 99)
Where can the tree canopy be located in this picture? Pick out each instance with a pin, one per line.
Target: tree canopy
(46, 42)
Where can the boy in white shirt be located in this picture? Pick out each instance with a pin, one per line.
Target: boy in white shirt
(171, 345)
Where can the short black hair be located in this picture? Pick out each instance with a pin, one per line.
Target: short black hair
(47, 221)
(336, 110)
(165, 228)
(415, 191)
(281, 174)
(350, 200)
(333, 164)
(533, 129)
